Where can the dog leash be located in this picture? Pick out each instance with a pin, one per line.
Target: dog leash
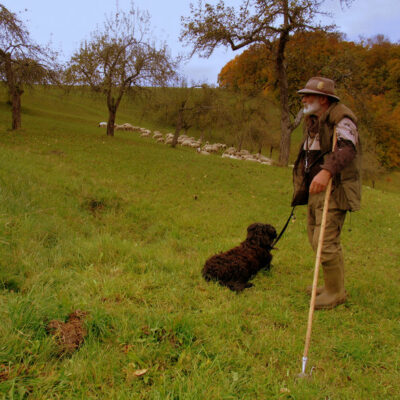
(284, 228)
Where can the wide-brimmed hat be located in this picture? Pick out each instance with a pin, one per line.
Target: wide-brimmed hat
(321, 86)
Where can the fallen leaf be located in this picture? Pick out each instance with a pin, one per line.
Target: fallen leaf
(140, 372)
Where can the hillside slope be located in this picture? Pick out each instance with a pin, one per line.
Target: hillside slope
(120, 228)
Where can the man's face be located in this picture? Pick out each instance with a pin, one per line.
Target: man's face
(311, 104)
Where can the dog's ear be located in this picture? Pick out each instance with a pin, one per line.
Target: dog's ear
(261, 234)
(270, 231)
(253, 227)
(253, 230)
(254, 233)
(261, 229)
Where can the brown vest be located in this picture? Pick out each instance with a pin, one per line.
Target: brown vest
(347, 183)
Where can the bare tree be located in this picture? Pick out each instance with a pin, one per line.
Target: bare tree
(270, 22)
(247, 118)
(195, 106)
(22, 62)
(184, 106)
(120, 56)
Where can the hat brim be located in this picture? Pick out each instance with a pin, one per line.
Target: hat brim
(310, 91)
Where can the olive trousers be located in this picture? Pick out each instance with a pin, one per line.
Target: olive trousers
(332, 250)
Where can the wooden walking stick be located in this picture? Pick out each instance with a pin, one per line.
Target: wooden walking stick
(316, 268)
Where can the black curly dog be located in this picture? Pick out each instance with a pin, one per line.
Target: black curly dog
(237, 266)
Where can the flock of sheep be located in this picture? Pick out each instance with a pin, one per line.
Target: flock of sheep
(184, 140)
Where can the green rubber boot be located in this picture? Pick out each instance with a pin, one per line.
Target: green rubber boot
(320, 289)
(334, 292)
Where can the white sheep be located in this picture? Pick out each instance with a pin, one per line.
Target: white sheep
(230, 150)
(264, 160)
(250, 157)
(181, 138)
(221, 146)
(195, 144)
(102, 125)
(200, 151)
(232, 156)
(157, 135)
(191, 142)
(186, 142)
(128, 127)
(211, 148)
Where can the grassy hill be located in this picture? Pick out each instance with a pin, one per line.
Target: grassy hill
(120, 228)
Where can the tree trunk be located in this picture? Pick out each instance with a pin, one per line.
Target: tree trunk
(16, 109)
(112, 105)
(179, 123)
(111, 121)
(284, 91)
(285, 115)
(178, 128)
(14, 91)
(286, 132)
(240, 143)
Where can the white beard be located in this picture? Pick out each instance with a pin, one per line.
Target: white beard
(311, 108)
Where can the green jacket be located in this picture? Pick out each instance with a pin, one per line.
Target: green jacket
(346, 188)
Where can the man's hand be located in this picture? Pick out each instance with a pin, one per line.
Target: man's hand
(320, 181)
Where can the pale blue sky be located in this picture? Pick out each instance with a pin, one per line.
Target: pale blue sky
(67, 23)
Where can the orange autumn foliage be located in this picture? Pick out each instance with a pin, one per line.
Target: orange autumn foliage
(367, 75)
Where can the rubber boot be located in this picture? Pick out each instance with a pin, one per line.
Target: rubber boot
(334, 293)
(320, 289)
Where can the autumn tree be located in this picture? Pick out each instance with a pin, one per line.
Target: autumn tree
(118, 57)
(268, 22)
(251, 71)
(367, 74)
(22, 62)
(327, 55)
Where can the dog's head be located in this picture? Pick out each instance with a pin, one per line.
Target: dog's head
(261, 235)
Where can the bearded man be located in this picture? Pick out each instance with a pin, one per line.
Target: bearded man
(315, 165)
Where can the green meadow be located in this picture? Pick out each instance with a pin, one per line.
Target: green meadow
(121, 227)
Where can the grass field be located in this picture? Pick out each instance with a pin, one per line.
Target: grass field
(120, 227)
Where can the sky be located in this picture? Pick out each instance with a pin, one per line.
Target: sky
(67, 23)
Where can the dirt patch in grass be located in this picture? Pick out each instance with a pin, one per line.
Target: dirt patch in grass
(97, 206)
(68, 335)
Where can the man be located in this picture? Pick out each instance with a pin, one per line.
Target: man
(315, 165)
